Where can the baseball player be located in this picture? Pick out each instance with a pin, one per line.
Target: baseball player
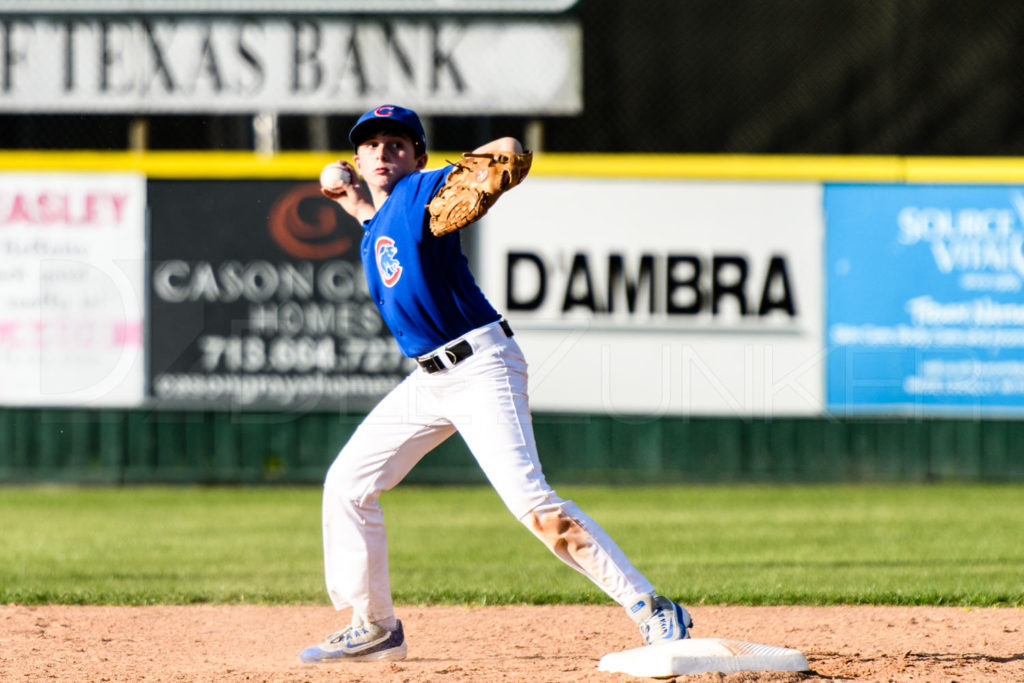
(471, 378)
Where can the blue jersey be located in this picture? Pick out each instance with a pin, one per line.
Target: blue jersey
(421, 283)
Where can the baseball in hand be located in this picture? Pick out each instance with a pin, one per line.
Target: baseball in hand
(334, 177)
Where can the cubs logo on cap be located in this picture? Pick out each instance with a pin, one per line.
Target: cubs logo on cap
(391, 113)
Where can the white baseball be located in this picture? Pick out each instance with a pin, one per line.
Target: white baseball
(334, 177)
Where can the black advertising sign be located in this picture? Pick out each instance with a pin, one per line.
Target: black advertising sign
(257, 299)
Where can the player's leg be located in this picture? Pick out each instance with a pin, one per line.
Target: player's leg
(396, 434)
(582, 544)
(488, 404)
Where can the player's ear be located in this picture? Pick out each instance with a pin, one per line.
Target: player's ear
(421, 162)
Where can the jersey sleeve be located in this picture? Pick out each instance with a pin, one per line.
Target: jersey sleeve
(432, 181)
(428, 183)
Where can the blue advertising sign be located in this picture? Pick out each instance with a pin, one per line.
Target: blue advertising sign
(925, 308)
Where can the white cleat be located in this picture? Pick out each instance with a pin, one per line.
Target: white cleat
(362, 643)
(660, 620)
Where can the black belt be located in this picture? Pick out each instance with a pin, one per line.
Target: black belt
(457, 352)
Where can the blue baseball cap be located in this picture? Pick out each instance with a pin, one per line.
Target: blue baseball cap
(369, 123)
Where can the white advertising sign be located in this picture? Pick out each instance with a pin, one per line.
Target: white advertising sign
(299, 65)
(71, 289)
(662, 296)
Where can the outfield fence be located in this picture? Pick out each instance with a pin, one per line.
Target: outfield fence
(122, 447)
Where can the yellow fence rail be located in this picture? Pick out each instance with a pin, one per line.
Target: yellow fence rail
(238, 164)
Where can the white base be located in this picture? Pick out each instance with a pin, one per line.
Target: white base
(702, 655)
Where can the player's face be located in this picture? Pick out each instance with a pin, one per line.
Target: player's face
(385, 158)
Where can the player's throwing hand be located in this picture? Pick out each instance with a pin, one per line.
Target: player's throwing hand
(340, 182)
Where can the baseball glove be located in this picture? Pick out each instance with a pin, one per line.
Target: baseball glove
(473, 186)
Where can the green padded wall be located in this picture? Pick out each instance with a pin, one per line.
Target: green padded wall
(112, 446)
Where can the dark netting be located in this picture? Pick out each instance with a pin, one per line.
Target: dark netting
(914, 77)
(792, 76)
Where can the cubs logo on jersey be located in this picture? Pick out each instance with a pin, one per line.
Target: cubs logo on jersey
(387, 264)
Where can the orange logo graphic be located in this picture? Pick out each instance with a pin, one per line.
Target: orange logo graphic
(307, 225)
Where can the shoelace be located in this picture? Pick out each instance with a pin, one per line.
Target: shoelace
(348, 634)
(362, 631)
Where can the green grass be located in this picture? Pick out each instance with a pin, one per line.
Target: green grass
(945, 544)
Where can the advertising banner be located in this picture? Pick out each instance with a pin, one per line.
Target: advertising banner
(258, 300)
(296, 65)
(662, 296)
(925, 309)
(71, 289)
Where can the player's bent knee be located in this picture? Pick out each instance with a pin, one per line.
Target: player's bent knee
(341, 485)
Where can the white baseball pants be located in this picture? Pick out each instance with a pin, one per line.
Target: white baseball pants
(484, 398)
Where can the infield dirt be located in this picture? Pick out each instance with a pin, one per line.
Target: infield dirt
(535, 644)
